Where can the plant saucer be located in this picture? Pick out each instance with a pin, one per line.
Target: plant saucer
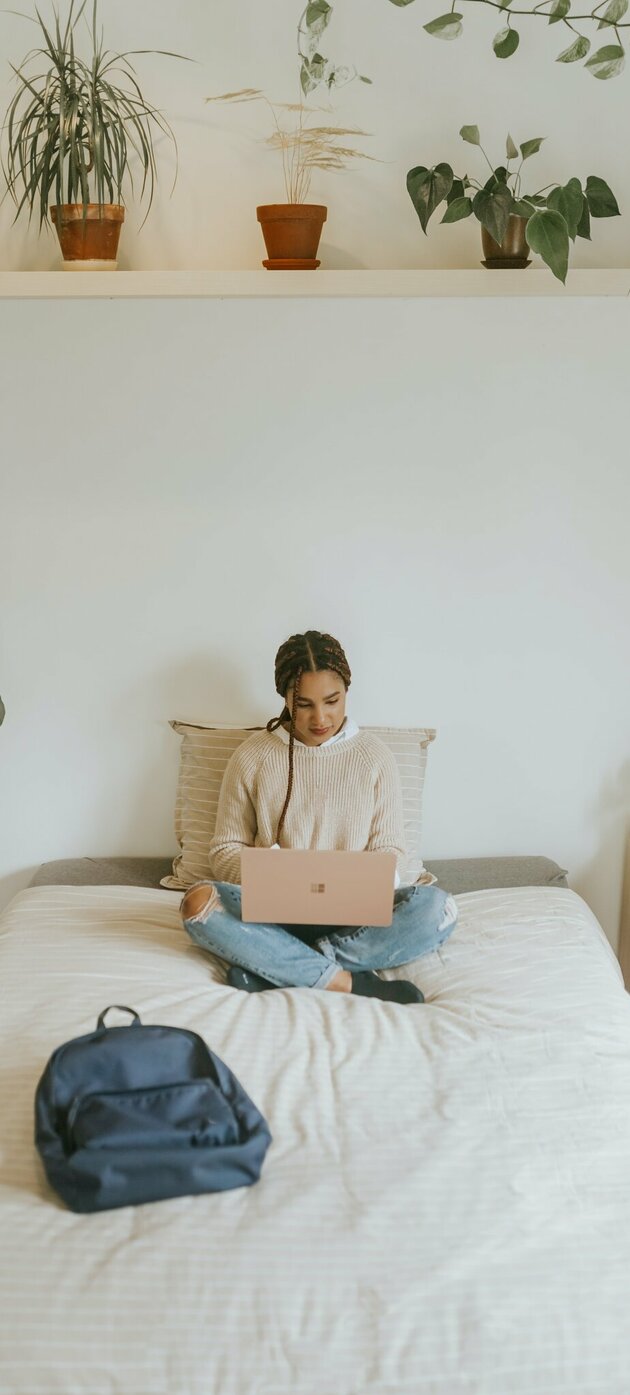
(506, 263)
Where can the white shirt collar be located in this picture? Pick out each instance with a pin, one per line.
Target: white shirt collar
(348, 729)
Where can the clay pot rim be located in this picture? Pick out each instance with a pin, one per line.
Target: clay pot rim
(94, 213)
(306, 211)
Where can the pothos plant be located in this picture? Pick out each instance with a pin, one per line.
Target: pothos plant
(555, 214)
(315, 70)
(606, 62)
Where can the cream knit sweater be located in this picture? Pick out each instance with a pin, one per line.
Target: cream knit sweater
(346, 795)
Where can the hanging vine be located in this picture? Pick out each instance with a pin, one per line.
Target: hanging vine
(605, 62)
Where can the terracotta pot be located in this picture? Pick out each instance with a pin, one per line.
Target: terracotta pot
(512, 251)
(89, 241)
(291, 232)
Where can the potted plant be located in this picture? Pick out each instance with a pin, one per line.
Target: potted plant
(70, 132)
(292, 230)
(513, 222)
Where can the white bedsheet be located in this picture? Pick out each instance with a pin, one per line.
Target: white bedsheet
(445, 1206)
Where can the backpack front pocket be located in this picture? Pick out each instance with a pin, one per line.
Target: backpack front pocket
(188, 1114)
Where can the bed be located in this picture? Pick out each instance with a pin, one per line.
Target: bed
(445, 1207)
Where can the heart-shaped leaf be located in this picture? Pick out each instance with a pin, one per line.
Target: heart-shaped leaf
(607, 62)
(511, 149)
(613, 13)
(317, 16)
(457, 190)
(506, 42)
(568, 200)
(531, 147)
(306, 81)
(558, 10)
(584, 225)
(575, 51)
(401, 2)
(471, 134)
(492, 207)
(547, 234)
(459, 208)
(601, 200)
(427, 188)
(447, 26)
(522, 208)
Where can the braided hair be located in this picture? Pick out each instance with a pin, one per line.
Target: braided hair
(311, 652)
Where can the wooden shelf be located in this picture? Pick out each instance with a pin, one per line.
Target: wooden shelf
(533, 281)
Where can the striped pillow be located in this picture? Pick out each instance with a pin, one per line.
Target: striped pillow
(204, 755)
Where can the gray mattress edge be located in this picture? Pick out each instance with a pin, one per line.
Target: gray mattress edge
(457, 875)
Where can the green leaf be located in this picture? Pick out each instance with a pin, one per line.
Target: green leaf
(613, 13)
(2, 712)
(531, 147)
(459, 208)
(365, 79)
(548, 235)
(584, 225)
(492, 207)
(427, 188)
(471, 134)
(497, 177)
(456, 191)
(511, 149)
(607, 62)
(447, 26)
(401, 2)
(558, 10)
(318, 16)
(601, 200)
(568, 200)
(306, 82)
(506, 42)
(522, 208)
(575, 51)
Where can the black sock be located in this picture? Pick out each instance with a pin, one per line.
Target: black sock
(245, 979)
(397, 990)
(366, 985)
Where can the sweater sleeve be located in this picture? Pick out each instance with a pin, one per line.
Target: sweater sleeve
(387, 830)
(236, 823)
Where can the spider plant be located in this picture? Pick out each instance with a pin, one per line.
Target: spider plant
(71, 130)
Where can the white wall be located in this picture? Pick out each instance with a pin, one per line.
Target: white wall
(422, 92)
(442, 484)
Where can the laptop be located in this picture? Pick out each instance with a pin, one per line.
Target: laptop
(291, 886)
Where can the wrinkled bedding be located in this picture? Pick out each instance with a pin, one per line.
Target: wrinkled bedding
(445, 1206)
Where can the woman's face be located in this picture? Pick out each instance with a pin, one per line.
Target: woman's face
(321, 706)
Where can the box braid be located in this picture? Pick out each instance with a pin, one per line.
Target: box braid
(308, 653)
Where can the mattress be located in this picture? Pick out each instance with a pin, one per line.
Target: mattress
(445, 1206)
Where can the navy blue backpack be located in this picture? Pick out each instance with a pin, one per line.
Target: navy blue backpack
(131, 1114)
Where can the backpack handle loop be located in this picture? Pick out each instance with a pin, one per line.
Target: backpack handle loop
(101, 1021)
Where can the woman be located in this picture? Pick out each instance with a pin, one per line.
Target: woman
(346, 795)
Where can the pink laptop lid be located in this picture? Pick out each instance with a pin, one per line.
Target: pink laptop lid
(298, 887)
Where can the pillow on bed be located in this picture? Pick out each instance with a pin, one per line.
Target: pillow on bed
(204, 755)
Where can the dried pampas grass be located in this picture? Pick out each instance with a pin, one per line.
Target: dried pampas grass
(304, 147)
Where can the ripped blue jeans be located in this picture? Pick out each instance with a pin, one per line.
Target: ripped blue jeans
(309, 956)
